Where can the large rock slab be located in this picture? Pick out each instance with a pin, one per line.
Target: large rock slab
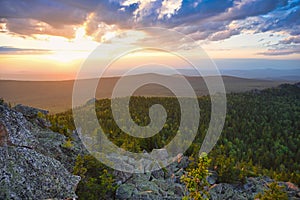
(26, 174)
(34, 164)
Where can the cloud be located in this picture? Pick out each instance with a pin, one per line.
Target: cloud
(295, 49)
(169, 8)
(248, 8)
(145, 9)
(14, 50)
(54, 13)
(221, 35)
(209, 20)
(197, 12)
(30, 27)
(203, 30)
(27, 18)
(248, 15)
(282, 20)
(53, 17)
(291, 40)
(3, 28)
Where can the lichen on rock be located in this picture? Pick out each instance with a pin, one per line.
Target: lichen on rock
(33, 162)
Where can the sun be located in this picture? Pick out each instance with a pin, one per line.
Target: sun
(67, 51)
(67, 56)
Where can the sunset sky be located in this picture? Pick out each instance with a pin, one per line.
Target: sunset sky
(50, 39)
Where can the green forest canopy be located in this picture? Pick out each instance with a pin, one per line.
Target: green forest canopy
(261, 135)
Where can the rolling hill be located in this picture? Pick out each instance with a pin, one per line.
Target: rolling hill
(56, 96)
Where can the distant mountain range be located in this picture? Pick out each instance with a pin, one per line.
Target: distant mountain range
(265, 73)
(282, 74)
(56, 96)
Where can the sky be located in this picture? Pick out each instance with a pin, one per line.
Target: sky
(51, 39)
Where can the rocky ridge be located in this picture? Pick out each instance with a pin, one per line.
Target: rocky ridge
(33, 161)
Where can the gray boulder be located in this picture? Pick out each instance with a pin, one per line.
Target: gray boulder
(222, 191)
(125, 191)
(160, 184)
(212, 177)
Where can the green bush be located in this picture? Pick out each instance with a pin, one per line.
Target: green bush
(275, 192)
(96, 181)
(195, 180)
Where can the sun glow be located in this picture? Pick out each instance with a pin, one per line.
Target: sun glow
(108, 36)
(80, 33)
(72, 50)
(67, 56)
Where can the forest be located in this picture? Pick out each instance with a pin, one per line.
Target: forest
(261, 136)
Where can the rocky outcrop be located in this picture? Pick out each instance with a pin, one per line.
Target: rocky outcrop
(165, 184)
(160, 184)
(29, 111)
(143, 163)
(26, 174)
(32, 114)
(34, 164)
(250, 189)
(146, 186)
